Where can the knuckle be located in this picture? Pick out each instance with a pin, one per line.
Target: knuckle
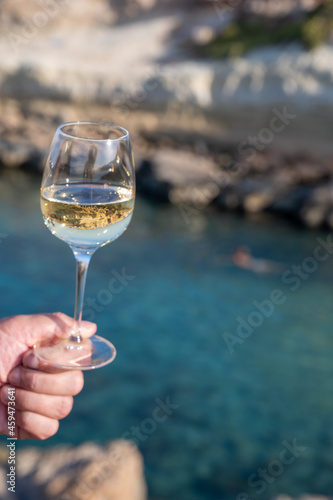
(24, 419)
(65, 407)
(24, 400)
(30, 380)
(61, 316)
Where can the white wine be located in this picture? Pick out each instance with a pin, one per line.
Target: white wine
(87, 215)
(87, 200)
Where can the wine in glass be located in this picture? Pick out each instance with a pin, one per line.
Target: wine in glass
(87, 200)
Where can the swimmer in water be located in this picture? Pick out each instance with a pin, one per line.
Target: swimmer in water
(242, 257)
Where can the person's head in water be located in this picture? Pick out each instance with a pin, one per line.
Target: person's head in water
(242, 256)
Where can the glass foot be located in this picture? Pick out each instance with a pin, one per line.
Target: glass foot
(89, 354)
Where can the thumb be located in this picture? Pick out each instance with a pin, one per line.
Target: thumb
(31, 328)
(19, 333)
(30, 359)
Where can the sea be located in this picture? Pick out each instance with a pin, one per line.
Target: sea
(223, 375)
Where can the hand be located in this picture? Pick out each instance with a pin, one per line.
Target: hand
(43, 394)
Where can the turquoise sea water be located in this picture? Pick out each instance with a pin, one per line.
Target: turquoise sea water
(235, 410)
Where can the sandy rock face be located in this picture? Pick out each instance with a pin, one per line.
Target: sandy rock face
(51, 15)
(86, 472)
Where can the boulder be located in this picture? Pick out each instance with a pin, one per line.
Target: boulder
(180, 177)
(316, 212)
(250, 194)
(314, 216)
(20, 155)
(258, 201)
(86, 472)
(148, 184)
(292, 202)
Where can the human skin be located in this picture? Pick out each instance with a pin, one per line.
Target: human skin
(43, 394)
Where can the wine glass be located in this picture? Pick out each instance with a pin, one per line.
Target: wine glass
(87, 200)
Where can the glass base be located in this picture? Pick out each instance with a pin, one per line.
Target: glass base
(89, 354)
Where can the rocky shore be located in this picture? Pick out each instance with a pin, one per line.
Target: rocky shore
(86, 472)
(190, 169)
(248, 134)
(296, 187)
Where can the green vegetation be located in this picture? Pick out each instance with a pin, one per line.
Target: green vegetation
(312, 30)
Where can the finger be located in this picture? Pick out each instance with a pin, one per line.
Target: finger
(33, 426)
(21, 434)
(31, 328)
(30, 360)
(65, 324)
(57, 407)
(58, 325)
(67, 383)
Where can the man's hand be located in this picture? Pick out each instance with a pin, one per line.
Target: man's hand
(43, 394)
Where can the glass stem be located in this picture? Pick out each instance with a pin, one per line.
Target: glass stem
(82, 264)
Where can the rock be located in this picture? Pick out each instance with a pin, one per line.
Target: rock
(315, 212)
(323, 195)
(281, 8)
(180, 177)
(3, 455)
(4, 493)
(149, 185)
(292, 201)
(307, 170)
(250, 194)
(329, 219)
(87, 472)
(257, 202)
(58, 15)
(202, 34)
(240, 93)
(314, 216)
(179, 167)
(20, 155)
(197, 196)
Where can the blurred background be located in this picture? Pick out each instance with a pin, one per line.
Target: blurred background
(224, 320)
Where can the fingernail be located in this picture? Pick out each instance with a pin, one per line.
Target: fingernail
(87, 326)
(30, 361)
(14, 376)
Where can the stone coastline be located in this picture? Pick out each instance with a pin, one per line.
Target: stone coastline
(205, 132)
(85, 472)
(297, 187)
(188, 168)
